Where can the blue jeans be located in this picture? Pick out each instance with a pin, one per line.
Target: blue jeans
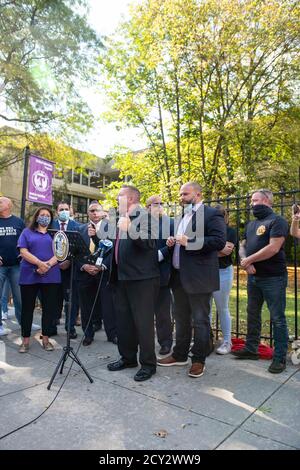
(5, 297)
(273, 291)
(221, 298)
(12, 273)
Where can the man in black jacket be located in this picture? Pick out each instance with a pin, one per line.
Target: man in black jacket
(136, 275)
(200, 234)
(163, 320)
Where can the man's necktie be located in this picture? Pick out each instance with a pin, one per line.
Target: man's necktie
(92, 246)
(176, 255)
(63, 226)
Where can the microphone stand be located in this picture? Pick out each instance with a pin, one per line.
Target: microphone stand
(68, 350)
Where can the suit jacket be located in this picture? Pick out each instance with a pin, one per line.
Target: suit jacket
(166, 229)
(199, 267)
(137, 254)
(83, 276)
(71, 225)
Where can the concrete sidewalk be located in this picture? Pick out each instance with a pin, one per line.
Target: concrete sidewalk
(235, 405)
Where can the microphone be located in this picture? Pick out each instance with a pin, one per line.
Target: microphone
(104, 247)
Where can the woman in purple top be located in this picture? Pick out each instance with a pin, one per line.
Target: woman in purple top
(39, 272)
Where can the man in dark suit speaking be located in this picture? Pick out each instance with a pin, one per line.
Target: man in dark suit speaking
(135, 273)
(199, 235)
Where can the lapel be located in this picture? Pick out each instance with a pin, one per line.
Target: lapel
(177, 221)
(84, 232)
(71, 225)
(56, 224)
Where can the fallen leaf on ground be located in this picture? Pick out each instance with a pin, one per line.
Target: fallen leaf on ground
(186, 424)
(162, 433)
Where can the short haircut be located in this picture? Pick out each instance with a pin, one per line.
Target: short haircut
(196, 186)
(266, 192)
(95, 203)
(151, 199)
(62, 202)
(133, 190)
(10, 203)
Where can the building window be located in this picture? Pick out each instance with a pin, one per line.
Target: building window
(76, 177)
(84, 179)
(96, 179)
(80, 204)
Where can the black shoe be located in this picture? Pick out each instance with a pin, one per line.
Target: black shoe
(113, 340)
(277, 367)
(97, 326)
(87, 341)
(164, 350)
(119, 365)
(73, 335)
(245, 354)
(144, 374)
(53, 332)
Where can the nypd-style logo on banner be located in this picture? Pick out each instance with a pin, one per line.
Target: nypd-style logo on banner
(40, 180)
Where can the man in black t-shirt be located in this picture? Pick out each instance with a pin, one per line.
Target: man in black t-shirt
(10, 230)
(263, 257)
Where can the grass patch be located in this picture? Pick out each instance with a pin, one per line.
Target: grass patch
(290, 308)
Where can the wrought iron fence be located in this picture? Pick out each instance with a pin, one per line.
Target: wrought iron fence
(239, 211)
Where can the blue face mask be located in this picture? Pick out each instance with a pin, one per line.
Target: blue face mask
(64, 215)
(43, 220)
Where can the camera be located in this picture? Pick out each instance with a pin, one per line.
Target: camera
(295, 209)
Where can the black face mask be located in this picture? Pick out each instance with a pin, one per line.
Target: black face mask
(260, 211)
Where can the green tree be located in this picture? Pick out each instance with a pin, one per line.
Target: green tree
(64, 156)
(47, 50)
(211, 84)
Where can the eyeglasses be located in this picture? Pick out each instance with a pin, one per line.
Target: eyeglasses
(94, 210)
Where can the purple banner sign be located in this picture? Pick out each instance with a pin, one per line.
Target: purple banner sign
(40, 180)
